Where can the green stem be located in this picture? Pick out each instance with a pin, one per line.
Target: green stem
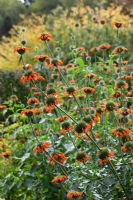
(60, 164)
(34, 132)
(93, 141)
(22, 60)
(66, 114)
(49, 49)
(72, 141)
(112, 167)
(72, 94)
(115, 173)
(66, 83)
(120, 65)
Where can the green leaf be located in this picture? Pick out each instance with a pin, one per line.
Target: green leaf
(69, 147)
(27, 155)
(80, 61)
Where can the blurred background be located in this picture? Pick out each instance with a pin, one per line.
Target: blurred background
(11, 9)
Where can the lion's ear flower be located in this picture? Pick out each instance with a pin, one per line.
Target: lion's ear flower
(42, 147)
(59, 179)
(82, 157)
(21, 50)
(42, 58)
(120, 132)
(118, 24)
(118, 50)
(104, 155)
(74, 194)
(45, 37)
(57, 157)
(104, 46)
(31, 75)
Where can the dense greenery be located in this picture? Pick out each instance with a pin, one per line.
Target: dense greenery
(66, 105)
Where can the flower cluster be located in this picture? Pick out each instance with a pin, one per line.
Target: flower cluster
(42, 147)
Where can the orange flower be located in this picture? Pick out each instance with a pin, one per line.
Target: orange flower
(104, 155)
(82, 157)
(123, 148)
(69, 65)
(81, 127)
(124, 62)
(30, 112)
(74, 194)
(119, 50)
(33, 101)
(127, 77)
(128, 146)
(61, 118)
(31, 75)
(5, 154)
(36, 111)
(91, 75)
(45, 37)
(100, 110)
(104, 46)
(34, 88)
(126, 111)
(117, 94)
(129, 94)
(3, 106)
(36, 93)
(41, 148)
(37, 131)
(70, 91)
(45, 145)
(84, 54)
(120, 132)
(56, 62)
(90, 120)
(66, 127)
(51, 101)
(59, 157)
(50, 65)
(120, 84)
(51, 91)
(43, 58)
(48, 109)
(21, 50)
(80, 49)
(118, 24)
(94, 50)
(88, 90)
(58, 179)
(96, 134)
(27, 112)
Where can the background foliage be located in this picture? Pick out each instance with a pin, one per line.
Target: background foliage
(62, 23)
(26, 175)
